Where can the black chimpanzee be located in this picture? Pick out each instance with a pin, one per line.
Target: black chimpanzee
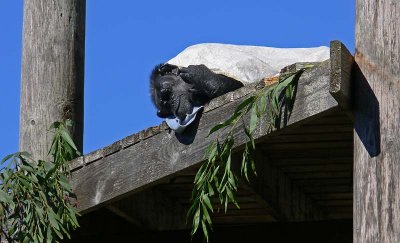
(176, 90)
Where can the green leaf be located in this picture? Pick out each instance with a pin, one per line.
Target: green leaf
(205, 231)
(213, 152)
(65, 135)
(250, 137)
(253, 165)
(4, 197)
(65, 183)
(226, 123)
(25, 182)
(196, 221)
(52, 218)
(7, 158)
(27, 168)
(58, 233)
(26, 239)
(206, 215)
(216, 128)
(245, 103)
(49, 235)
(253, 119)
(39, 212)
(207, 202)
(72, 215)
(263, 103)
(210, 190)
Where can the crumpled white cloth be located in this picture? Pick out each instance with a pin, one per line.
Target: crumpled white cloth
(178, 125)
(247, 64)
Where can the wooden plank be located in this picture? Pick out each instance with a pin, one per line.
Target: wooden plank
(243, 219)
(265, 184)
(324, 182)
(241, 212)
(377, 122)
(341, 69)
(310, 145)
(299, 153)
(317, 168)
(322, 137)
(321, 175)
(287, 201)
(284, 162)
(52, 72)
(161, 156)
(332, 196)
(327, 189)
(152, 210)
(125, 216)
(324, 129)
(344, 202)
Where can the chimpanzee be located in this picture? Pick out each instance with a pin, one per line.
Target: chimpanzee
(176, 90)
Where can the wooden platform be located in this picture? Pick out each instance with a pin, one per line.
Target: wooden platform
(305, 170)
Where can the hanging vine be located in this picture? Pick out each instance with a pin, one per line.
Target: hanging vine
(215, 178)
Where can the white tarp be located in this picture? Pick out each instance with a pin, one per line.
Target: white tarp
(247, 63)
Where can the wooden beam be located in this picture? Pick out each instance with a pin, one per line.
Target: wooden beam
(152, 210)
(341, 69)
(377, 122)
(161, 155)
(52, 72)
(120, 213)
(285, 199)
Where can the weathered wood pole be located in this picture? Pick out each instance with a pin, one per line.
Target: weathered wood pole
(52, 71)
(377, 122)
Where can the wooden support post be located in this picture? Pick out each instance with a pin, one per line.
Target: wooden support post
(377, 122)
(52, 71)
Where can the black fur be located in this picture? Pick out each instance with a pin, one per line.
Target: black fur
(175, 90)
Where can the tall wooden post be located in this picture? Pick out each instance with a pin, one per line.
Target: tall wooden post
(377, 122)
(52, 71)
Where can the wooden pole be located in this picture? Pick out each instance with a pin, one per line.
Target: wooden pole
(377, 122)
(52, 71)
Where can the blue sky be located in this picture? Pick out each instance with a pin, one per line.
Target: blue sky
(125, 39)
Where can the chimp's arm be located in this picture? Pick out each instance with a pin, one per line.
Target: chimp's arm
(207, 83)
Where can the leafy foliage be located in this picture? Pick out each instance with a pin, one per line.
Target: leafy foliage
(216, 178)
(35, 196)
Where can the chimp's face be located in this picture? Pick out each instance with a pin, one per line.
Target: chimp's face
(171, 95)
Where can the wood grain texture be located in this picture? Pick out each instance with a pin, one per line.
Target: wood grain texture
(154, 210)
(162, 156)
(287, 199)
(341, 69)
(377, 122)
(52, 71)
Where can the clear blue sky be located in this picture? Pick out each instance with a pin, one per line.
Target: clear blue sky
(125, 39)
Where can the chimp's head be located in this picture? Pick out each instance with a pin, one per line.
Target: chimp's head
(170, 94)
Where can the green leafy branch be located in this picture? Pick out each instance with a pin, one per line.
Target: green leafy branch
(216, 178)
(35, 196)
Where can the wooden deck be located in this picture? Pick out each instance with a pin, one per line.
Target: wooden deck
(305, 170)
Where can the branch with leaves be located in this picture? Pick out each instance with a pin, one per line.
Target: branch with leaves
(35, 196)
(216, 178)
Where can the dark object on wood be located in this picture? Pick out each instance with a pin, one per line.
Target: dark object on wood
(176, 90)
(377, 123)
(52, 71)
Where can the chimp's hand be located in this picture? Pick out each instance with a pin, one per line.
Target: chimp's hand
(206, 82)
